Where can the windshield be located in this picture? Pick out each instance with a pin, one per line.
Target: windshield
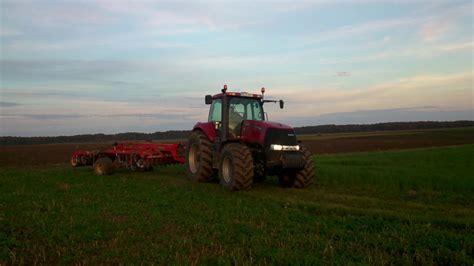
(246, 108)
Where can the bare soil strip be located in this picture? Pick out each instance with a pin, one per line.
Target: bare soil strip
(25, 155)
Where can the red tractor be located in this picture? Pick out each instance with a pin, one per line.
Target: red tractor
(242, 147)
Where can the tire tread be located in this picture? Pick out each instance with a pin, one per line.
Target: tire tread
(243, 166)
(205, 173)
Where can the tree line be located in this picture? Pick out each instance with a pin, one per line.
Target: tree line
(183, 134)
(390, 126)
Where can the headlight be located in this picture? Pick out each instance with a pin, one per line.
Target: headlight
(278, 147)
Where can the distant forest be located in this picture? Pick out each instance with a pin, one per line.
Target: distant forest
(183, 134)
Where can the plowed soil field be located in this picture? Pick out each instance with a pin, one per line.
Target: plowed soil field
(19, 155)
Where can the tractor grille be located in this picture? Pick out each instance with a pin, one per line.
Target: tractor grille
(280, 136)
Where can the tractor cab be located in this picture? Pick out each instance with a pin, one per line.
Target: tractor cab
(231, 110)
(228, 117)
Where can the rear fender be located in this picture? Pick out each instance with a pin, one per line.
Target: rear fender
(208, 129)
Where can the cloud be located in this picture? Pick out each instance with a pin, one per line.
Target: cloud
(8, 104)
(433, 30)
(448, 92)
(48, 116)
(65, 68)
(429, 50)
(63, 105)
(347, 31)
(430, 23)
(54, 14)
(35, 93)
(384, 115)
(445, 20)
(169, 45)
(75, 116)
(201, 16)
(54, 125)
(8, 32)
(60, 115)
(52, 25)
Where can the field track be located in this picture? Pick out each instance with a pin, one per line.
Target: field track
(319, 144)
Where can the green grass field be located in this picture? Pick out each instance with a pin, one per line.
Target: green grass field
(398, 207)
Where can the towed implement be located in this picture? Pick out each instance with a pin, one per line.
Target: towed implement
(134, 156)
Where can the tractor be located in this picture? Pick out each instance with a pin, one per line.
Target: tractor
(239, 146)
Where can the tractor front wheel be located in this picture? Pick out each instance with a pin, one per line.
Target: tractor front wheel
(302, 178)
(199, 158)
(236, 167)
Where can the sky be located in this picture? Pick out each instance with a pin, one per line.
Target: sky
(78, 67)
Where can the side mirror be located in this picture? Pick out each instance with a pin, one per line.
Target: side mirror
(282, 103)
(208, 99)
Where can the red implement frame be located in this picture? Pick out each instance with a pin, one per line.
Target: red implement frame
(135, 156)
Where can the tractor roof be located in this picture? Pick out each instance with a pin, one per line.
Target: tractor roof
(238, 94)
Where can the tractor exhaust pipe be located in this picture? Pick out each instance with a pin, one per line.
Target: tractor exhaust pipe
(225, 115)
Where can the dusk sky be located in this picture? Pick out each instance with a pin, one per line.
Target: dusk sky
(73, 67)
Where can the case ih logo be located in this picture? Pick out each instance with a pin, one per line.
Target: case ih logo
(291, 135)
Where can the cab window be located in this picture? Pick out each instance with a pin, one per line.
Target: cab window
(246, 108)
(215, 112)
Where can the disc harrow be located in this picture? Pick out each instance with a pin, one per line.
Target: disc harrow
(134, 156)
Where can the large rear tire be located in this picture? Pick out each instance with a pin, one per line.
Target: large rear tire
(199, 158)
(103, 166)
(302, 178)
(236, 167)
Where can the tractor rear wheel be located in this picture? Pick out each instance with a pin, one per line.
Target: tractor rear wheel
(199, 158)
(236, 167)
(103, 166)
(302, 178)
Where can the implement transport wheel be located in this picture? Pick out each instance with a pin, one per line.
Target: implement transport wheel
(143, 165)
(139, 164)
(302, 178)
(75, 161)
(199, 158)
(103, 166)
(236, 167)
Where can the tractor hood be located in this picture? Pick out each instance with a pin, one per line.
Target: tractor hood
(269, 124)
(262, 132)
